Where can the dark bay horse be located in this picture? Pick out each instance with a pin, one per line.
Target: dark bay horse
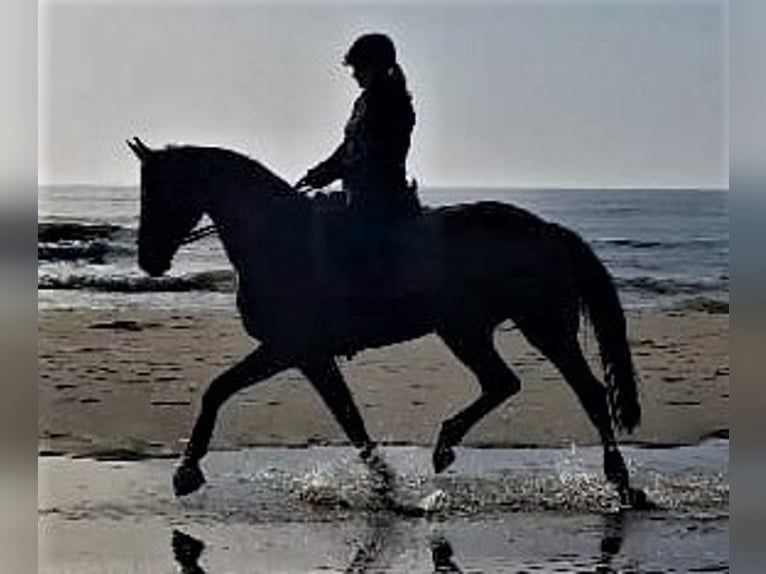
(456, 271)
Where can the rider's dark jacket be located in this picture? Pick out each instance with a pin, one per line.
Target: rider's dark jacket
(371, 159)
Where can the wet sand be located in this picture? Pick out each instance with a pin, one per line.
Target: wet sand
(311, 510)
(502, 544)
(127, 384)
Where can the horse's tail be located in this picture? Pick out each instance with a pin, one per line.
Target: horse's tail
(600, 302)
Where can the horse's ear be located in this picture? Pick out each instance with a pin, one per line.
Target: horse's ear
(139, 148)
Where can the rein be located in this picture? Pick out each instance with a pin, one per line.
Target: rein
(197, 234)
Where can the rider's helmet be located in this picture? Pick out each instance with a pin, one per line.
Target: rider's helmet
(371, 49)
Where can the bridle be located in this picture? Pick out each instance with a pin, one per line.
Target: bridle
(199, 233)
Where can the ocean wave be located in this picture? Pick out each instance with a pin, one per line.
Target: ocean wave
(667, 286)
(705, 242)
(89, 242)
(704, 304)
(222, 281)
(95, 252)
(57, 231)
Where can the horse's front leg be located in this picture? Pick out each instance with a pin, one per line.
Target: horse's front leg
(326, 378)
(328, 381)
(257, 366)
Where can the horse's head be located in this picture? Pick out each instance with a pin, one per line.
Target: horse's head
(170, 206)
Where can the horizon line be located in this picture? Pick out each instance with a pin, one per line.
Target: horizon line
(464, 187)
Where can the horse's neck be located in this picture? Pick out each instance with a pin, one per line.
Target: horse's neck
(252, 220)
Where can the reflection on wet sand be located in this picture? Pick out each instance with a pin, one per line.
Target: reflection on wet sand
(370, 555)
(441, 554)
(612, 536)
(187, 550)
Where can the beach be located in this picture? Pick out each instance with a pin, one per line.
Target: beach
(124, 360)
(127, 383)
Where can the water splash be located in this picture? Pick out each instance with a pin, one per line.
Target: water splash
(263, 485)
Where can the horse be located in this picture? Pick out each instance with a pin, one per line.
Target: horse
(460, 271)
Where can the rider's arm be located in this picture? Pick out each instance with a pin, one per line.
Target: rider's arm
(325, 172)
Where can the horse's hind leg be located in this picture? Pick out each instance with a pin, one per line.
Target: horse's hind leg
(257, 366)
(476, 350)
(557, 339)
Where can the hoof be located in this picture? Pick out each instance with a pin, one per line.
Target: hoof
(636, 499)
(443, 457)
(383, 476)
(374, 461)
(187, 478)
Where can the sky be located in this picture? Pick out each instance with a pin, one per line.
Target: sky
(507, 94)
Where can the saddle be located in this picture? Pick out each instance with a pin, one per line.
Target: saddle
(363, 260)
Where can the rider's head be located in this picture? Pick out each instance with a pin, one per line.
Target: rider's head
(370, 55)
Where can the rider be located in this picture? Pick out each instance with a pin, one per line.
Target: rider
(371, 159)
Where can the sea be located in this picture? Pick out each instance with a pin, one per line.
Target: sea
(666, 248)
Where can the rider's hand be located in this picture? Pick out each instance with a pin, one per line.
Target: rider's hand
(303, 183)
(312, 180)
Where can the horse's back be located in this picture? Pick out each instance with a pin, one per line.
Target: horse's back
(488, 217)
(503, 259)
(411, 254)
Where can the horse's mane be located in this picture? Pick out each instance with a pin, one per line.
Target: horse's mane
(230, 163)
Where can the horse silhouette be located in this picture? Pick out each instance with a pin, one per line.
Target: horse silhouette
(456, 271)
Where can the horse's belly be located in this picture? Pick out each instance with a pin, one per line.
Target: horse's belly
(387, 321)
(343, 325)
(254, 317)
(276, 316)
(335, 326)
